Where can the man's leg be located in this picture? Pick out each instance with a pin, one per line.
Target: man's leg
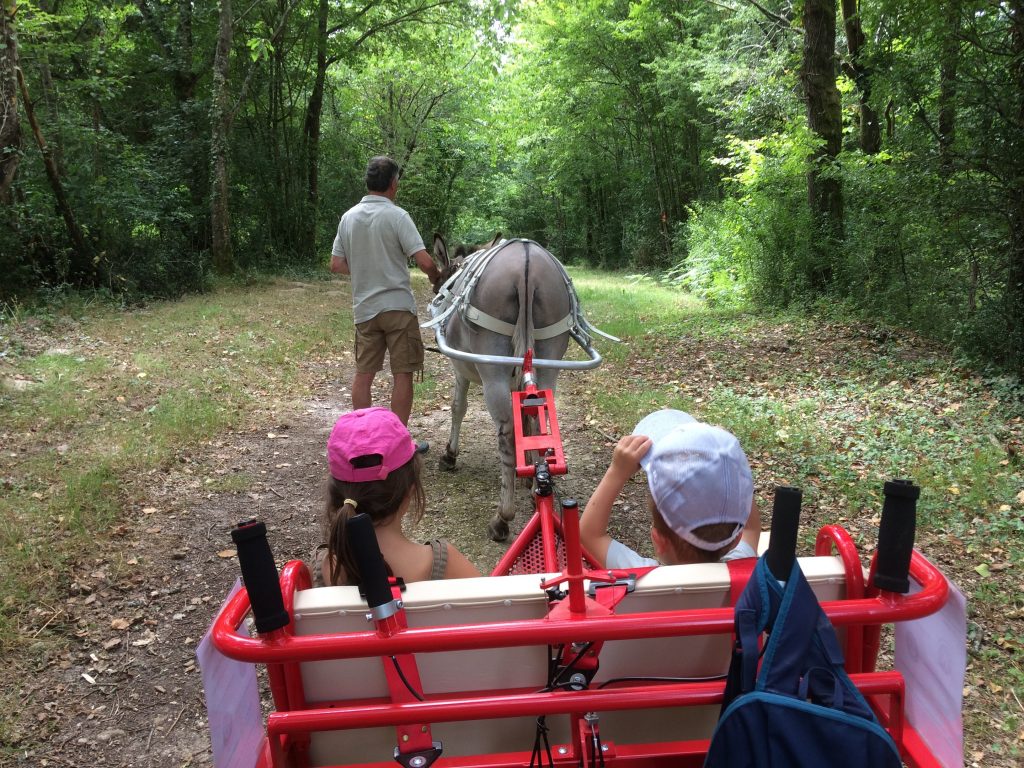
(362, 396)
(405, 349)
(401, 396)
(370, 345)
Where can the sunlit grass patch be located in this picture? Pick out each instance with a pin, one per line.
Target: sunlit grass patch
(91, 500)
(425, 389)
(139, 388)
(235, 482)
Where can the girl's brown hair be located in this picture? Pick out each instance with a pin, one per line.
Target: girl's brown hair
(380, 499)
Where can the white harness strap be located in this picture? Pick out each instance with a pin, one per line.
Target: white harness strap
(455, 296)
(484, 320)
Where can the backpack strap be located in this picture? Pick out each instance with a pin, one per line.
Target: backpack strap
(439, 566)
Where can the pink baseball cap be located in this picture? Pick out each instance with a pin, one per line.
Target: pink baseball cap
(370, 433)
(698, 475)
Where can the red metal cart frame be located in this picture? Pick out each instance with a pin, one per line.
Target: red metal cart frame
(574, 618)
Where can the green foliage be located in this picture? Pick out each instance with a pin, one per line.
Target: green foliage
(645, 135)
(755, 242)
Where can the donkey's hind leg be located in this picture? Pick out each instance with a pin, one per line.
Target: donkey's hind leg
(499, 403)
(449, 458)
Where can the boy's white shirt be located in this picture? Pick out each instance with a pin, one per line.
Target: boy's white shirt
(620, 556)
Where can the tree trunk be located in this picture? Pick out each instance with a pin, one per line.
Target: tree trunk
(824, 117)
(194, 161)
(948, 65)
(311, 130)
(220, 207)
(1015, 273)
(10, 126)
(82, 269)
(870, 131)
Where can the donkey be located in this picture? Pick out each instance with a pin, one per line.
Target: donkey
(522, 288)
(462, 251)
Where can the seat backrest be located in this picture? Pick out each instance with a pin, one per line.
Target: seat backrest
(330, 610)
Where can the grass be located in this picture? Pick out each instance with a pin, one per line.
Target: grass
(830, 404)
(139, 388)
(836, 406)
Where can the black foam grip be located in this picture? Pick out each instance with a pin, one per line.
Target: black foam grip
(259, 575)
(373, 573)
(896, 536)
(785, 522)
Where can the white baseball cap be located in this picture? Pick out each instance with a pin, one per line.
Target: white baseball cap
(697, 473)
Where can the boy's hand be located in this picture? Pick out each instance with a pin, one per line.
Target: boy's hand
(627, 454)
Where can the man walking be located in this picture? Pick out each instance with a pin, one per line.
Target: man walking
(375, 240)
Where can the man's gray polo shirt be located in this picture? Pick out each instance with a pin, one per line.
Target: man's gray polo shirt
(377, 238)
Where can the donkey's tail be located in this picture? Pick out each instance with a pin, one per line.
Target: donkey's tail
(522, 337)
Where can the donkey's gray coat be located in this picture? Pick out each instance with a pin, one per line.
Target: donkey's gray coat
(524, 286)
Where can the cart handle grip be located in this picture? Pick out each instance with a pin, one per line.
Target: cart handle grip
(896, 536)
(259, 575)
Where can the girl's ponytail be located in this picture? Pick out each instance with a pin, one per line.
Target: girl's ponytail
(344, 569)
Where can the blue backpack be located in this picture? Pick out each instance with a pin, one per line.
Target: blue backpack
(800, 709)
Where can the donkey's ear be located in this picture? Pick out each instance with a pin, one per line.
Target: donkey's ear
(495, 241)
(441, 251)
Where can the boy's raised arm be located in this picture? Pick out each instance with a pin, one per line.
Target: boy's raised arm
(594, 522)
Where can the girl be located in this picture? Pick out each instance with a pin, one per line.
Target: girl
(375, 470)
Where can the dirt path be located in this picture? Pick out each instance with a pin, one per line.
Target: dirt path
(129, 693)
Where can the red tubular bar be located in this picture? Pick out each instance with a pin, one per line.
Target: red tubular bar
(574, 560)
(491, 707)
(495, 707)
(549, 542)
(837, 536)
(882, 609)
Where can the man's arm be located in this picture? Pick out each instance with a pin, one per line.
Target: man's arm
(339, 265)
(594, 522)
(425, 263)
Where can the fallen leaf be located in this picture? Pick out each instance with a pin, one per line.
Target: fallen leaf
(1020, 497)
(120, 624)
(89, 679)
(226, 553)
(982, 570)
(148, 510)
(111, 643)
(143, 641)
(954, 490)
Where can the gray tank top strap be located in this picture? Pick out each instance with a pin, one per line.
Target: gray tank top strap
(439, 549)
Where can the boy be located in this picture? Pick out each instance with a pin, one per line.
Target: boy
(701, 494)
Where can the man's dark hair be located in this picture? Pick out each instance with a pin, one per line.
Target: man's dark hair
(379, 173)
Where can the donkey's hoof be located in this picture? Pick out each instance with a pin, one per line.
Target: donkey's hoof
(497, 530)
(447, 462)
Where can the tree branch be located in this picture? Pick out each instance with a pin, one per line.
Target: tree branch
(274, 39)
